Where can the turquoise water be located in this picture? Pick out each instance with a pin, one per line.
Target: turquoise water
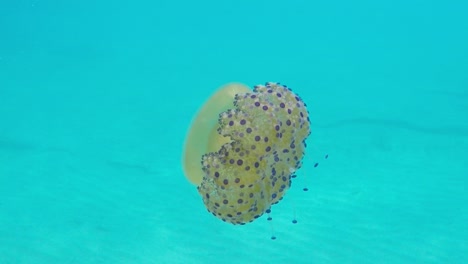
(96, 98)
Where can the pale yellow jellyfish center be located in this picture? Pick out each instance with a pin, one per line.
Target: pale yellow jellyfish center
(203, 136)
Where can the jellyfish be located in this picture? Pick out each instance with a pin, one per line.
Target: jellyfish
(244, 147)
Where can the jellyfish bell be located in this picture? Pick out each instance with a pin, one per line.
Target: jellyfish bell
(243, 148)
(203, 136)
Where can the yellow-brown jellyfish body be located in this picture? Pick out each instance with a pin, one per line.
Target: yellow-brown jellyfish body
(258, 145)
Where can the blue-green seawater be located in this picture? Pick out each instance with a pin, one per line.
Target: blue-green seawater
(96, 98)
